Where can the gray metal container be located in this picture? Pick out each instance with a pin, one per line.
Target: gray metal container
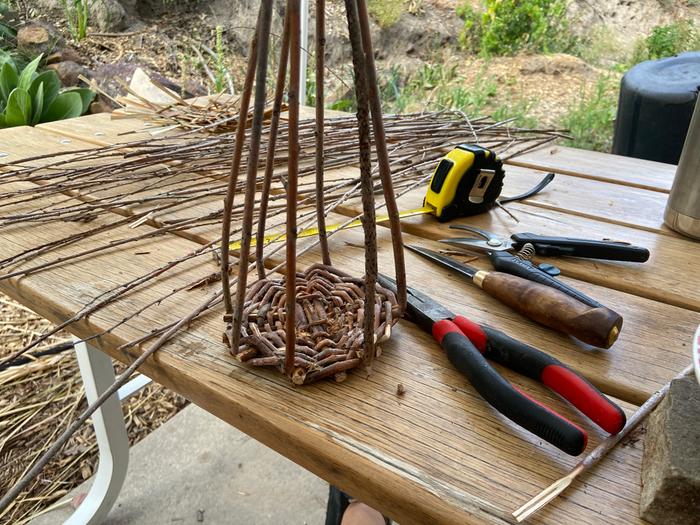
(683, 207)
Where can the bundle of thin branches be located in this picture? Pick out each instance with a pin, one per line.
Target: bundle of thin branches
(174, 185)
(168, 110)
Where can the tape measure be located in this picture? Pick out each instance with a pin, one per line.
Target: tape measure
(467, 181)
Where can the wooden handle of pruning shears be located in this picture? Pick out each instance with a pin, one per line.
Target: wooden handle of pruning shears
(597, 326)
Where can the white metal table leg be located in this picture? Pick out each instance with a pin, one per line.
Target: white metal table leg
(97, 372)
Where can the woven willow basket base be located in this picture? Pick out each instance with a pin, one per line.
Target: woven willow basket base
(329, 321)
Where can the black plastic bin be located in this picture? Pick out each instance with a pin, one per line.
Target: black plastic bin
(657, 98)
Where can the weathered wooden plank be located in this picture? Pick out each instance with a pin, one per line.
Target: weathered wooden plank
(439, 454)
(22, 142)
(620, 205)
(635, 367)
(627, 171)
(101, 129)
(637, 364)
(633, 383)
(667, 277)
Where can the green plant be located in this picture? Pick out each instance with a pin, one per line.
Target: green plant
(310, 91)
(386, 12)
(77, 14)
(668, 40)
(604, 47)
(29, 98)
(509, 26)
(472, 32)
(518, 110)
(219, 65)
(431, 76)
(590, 121)
(8, 32)
(472, 99)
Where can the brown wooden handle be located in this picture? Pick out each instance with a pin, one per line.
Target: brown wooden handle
(550, 307)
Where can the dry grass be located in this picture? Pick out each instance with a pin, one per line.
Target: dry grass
(39, 399)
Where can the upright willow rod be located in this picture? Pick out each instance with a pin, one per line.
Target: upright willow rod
(264, 22)
(233, 176)
(368, 217)
(320, 99)
(270, 159)
(382, 154)
(292, 183)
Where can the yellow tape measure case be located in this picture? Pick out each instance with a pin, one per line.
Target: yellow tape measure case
(467, 181)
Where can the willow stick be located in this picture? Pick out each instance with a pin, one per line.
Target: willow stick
(233, 175)
(292, 182)
(383, 156)
(272, 143)
(265, 19)
(593, 457)
(320, 59)
(368, 216)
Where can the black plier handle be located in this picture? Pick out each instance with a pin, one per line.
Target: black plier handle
(467, 345)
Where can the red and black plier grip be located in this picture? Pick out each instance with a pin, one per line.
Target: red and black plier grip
(467, 346)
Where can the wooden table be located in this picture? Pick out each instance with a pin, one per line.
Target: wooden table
(439, 453)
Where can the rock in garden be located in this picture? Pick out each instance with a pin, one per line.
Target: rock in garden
(35, 38)
(67, 54)
(555, 64)
(68, 72)
(99, 106)
(671, 463)
(108, 15)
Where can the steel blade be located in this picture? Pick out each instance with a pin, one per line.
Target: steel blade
(422, 310)
(473, 245)
(447, 262)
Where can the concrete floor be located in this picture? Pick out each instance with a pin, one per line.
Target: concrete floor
(198, 469)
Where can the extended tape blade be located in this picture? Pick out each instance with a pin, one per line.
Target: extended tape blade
(311, 232)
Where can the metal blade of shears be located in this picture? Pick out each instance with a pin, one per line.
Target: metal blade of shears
(422, 310)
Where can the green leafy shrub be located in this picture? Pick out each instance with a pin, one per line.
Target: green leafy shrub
(385, 12)
(591, 121)
(510, 26)
(29, 98)
(472, 33)
(667, 40)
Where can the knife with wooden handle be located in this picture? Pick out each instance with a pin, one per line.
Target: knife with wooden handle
(596, 325)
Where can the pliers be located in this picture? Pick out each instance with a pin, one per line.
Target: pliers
(468, 345)
(526, 245)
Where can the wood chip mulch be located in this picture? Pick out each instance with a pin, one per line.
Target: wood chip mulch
(39, 399)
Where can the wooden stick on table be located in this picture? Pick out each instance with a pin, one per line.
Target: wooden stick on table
(556, 488)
